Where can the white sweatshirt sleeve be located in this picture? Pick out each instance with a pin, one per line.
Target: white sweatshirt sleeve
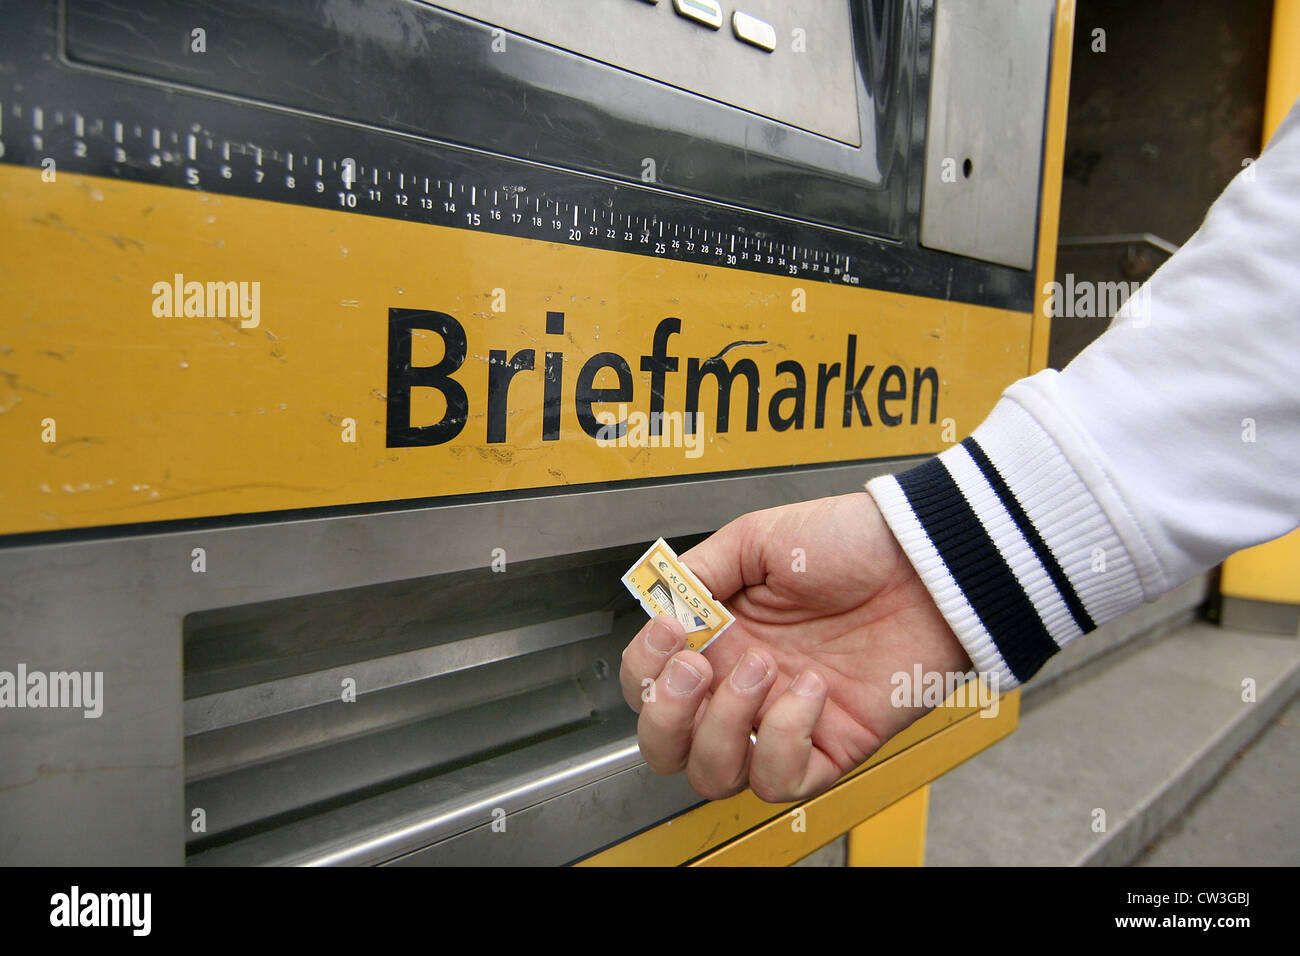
(1168, 444)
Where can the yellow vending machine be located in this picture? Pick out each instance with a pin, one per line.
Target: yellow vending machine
(351, 352)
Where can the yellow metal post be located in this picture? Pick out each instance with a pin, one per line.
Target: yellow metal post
(895, 836)
(1283, 64)
(1049, 215)
(1271, 572)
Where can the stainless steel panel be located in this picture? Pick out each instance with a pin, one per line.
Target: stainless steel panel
(984, 142)
(111, 790)
(809, 84)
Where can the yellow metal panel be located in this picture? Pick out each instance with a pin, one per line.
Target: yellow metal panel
(1283, 65)
(769, 834)
(1058, 102)
(175, 417)
(893, 837)
(1271, 572)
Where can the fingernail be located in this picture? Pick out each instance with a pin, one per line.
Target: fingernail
(682, 677)
(807, 684)
(659, 639)
(749, 673)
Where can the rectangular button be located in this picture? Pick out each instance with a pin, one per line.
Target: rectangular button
(708, 12)
(753, 30)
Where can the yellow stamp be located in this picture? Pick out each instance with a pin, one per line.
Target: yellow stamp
(664, 585)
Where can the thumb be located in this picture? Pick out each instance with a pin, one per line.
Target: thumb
(730, 559)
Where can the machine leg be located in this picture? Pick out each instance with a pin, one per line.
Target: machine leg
(893, 837)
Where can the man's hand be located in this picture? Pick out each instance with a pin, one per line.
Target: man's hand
(828, 608)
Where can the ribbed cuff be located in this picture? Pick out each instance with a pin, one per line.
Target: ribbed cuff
(1018, 554)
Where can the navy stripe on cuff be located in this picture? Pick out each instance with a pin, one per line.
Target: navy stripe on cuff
(978, 568)
(1053, 567)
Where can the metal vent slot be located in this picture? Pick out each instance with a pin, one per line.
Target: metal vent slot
(457, 678)
(242, 704)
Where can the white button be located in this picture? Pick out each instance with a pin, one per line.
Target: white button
(753, 30)
(708, 12)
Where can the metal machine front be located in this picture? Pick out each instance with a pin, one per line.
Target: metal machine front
(350, 352)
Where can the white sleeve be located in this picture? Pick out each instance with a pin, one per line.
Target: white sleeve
(1168, 444)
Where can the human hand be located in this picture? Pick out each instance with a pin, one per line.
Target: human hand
(828, 608)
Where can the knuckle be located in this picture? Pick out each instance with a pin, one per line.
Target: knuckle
(786, 724)
(705, 782)
(631, 689)
(661, 766)
(626, 676)
(701, 783)
(710, 791)
(769, 792)
(632, 667)
(657, 717)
